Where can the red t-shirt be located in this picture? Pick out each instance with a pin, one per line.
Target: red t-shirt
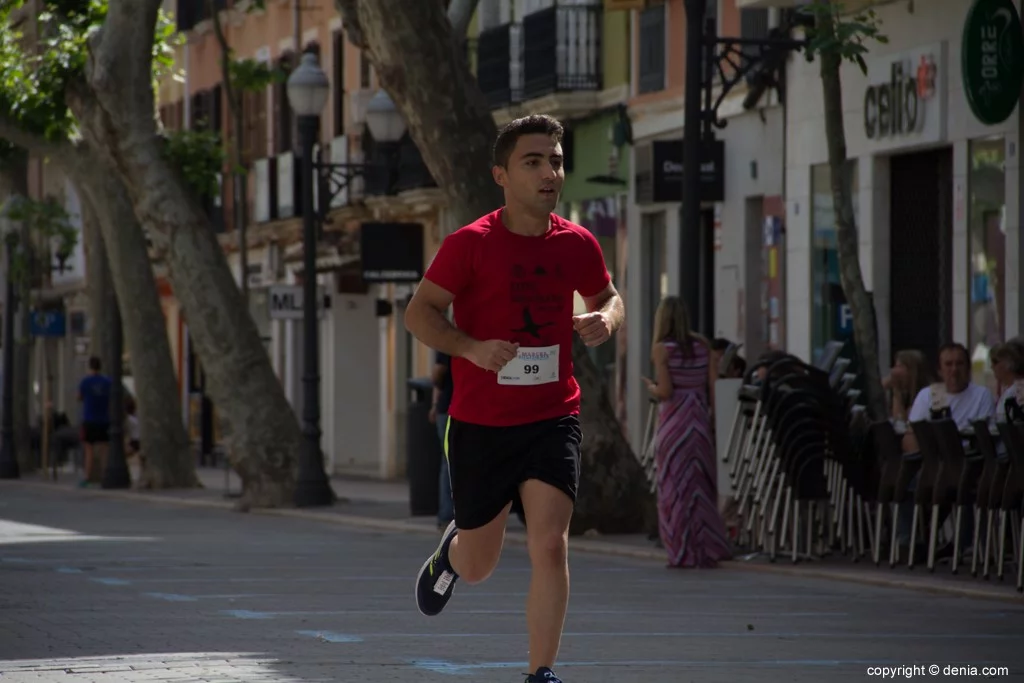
(518, 289)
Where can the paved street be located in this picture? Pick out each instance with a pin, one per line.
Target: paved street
(96, 589)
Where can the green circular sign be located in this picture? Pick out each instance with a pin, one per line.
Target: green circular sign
(992, 59)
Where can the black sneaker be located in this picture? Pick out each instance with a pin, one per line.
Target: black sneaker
(543, 675)
(436, 580)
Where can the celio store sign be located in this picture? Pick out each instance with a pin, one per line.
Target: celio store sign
(899, 106)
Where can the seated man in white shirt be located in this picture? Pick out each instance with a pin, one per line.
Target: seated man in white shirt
(966, 403)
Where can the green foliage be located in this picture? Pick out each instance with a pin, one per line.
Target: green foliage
(838, 33)
(167, 40)
(250, 75)
(46, 221)
(200, 157)
(33, 83)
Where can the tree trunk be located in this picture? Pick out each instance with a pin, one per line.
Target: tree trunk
(168, 460)
(98, 284)
(862, 307)
(413, 51)
(14, 181)
(114, 108)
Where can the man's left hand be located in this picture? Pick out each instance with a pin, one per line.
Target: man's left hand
(594, 328)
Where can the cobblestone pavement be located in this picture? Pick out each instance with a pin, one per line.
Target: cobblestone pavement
(98, 589)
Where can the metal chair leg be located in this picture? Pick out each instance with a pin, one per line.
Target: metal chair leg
(913, 535)
(977, 541)
(878, 534)
(932, 537)
(1000, 559)
(1020, 559)
(956, 537)
(796, 530)
(865, 511)
(988, 544)
(894, 546)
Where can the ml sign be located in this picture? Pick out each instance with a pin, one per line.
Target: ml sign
(284, 302)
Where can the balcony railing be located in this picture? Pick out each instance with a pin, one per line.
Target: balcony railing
(562, 50)
(499, 69)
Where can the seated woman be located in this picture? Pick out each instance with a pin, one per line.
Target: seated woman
(1008, 366)
(909, 375)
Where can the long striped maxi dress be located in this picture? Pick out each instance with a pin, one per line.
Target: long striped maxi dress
(691, 528)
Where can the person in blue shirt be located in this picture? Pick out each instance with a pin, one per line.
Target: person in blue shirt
(94, 393)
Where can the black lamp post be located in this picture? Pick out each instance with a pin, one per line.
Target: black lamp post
(116, 474)
(8, 457)
(690, 284)
(308, 89)
(714, 66)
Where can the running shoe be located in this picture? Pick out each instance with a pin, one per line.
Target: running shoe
(543, 675)
(436, 580)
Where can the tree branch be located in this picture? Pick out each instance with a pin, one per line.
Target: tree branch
(121, 55)
(460, 13)
(35, 144)
(349, 10)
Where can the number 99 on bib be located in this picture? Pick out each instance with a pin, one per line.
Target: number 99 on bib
(531, 366)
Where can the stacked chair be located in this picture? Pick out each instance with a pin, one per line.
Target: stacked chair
(814, 477)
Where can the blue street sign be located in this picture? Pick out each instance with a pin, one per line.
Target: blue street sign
(48, 324)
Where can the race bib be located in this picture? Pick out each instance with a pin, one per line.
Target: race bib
(533, 365)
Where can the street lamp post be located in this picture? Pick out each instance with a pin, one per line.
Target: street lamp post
(714, 66)
(690, 257)
(308, 89)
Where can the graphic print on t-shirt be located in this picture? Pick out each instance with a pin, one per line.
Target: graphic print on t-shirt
(529, 327)
(537, 293)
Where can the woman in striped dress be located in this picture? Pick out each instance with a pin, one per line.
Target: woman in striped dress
(691, 528)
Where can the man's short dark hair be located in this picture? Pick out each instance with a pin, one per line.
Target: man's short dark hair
(94, 363)
(955, 346)
(535, 124)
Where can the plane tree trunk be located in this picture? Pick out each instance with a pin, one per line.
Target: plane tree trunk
(114, 107)
(421, 66)
(167, 456)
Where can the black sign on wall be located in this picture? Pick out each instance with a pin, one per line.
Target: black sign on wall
(663, 180)
(391, 252)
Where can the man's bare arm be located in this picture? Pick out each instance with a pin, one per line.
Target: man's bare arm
(609, 303)
(425, 319)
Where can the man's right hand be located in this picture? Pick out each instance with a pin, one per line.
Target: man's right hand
(492, 355)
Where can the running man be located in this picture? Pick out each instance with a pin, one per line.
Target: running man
(513, 428)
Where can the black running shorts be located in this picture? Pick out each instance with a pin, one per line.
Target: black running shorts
(487, 464)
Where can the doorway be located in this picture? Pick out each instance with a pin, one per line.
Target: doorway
(921, 246)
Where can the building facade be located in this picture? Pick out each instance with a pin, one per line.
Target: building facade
(744, 197)
(366, 356)
(936, 196)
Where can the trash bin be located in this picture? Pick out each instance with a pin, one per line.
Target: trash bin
(422, 450)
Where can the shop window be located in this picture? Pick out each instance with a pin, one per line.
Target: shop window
(828, 318)
(986, 184)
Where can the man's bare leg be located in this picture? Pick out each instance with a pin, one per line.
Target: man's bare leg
(470, 555)
(87, 464)
(548, 513)
(474, 554)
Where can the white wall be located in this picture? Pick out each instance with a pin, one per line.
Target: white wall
(353, 385)
(748, 139)
(934, 25)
